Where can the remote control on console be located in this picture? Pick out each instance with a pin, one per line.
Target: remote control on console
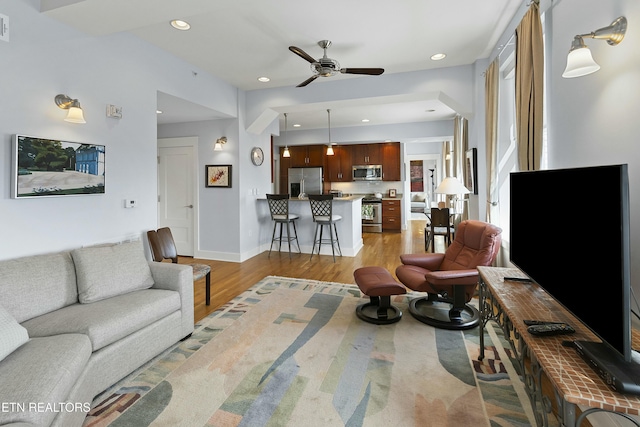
(517, 279)
(549, 329)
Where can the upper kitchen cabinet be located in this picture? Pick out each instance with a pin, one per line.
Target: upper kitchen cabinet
(339, 165)
(307, 156)
(391, 169)
(366, 154)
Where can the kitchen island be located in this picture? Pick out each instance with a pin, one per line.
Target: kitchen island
(349, 228)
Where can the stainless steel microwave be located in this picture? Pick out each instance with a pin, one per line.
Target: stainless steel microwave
(367, 173)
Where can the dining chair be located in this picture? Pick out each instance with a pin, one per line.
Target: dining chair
(163, 247)
(440, 225)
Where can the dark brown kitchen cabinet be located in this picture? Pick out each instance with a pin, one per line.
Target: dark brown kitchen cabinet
(339, 165)
(307, 156)
(391, 169)
(391, 215)
(366, 154)
(285, 164)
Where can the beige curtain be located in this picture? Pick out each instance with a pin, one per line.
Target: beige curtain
(529, 89)
(460, 144)
(491, 86)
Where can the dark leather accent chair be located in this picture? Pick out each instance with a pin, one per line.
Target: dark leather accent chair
(450, 278)
(163, 247)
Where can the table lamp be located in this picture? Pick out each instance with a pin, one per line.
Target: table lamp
(450, 186)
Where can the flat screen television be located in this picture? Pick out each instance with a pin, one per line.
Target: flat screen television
(53, 167)
(569, 232)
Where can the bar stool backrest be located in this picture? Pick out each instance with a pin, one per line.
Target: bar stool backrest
(278, 206)
(321, 206)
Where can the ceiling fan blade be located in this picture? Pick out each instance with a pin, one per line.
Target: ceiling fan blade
(369, 71)
(309, 80)
(302, 54)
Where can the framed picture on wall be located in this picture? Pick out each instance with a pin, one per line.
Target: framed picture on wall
(218, 176)
(471, 170)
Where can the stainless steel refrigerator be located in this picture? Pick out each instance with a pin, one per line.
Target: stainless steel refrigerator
(305, 180)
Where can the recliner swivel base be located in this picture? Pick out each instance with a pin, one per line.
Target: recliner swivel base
(379, 311)
(439, 312)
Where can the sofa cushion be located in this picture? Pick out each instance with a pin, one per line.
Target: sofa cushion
(42, 371)
(418, 197)
(35, 285)
(108, 320)
(106, 271)
(12, 334)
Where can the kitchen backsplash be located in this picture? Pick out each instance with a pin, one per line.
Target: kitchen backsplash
(368, 187)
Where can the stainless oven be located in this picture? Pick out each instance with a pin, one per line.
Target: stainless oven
(372, 215)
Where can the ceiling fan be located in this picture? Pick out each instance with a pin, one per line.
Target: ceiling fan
(327, 67)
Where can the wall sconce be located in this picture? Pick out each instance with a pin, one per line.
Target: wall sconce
(579, 61)
(286, 152)
(75, 114)
(219, 143)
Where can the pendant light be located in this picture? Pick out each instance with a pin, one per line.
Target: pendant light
(330, 147)
(286, 152)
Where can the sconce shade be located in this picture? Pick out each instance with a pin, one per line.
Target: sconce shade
(219, 143)
(580, 62)
(451, 185)
(75, 114)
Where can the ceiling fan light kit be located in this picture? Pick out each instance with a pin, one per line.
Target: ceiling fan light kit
(327, 67)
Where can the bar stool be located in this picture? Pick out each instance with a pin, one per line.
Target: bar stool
(279, 208)
(322, 211)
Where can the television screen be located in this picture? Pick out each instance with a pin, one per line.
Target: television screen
(569, 232)
(53, 167)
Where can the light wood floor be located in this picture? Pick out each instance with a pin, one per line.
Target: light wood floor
(229, 279)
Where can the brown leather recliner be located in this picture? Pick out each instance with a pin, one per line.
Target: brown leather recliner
(450, 279)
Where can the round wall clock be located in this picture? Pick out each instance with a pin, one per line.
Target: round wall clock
(257, 156)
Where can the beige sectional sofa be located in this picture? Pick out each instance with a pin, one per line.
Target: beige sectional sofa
(73, 323)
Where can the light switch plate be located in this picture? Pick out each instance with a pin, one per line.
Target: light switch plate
(4, 27)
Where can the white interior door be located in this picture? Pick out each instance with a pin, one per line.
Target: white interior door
(176, 196)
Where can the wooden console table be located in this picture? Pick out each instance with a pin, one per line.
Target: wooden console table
(544, 361)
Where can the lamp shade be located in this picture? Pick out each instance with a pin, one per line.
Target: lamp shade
(580, 63)
(451, 185)
(330, 151)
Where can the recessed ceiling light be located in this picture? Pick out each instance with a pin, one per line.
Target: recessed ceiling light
(297, 125)
(438, 56)
(365, 120)
(264, 79)
(180, 25)
(158, 111)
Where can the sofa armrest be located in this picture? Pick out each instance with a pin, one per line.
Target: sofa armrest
(179, 278)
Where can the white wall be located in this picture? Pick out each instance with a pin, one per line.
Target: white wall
(45, 58)
(593, 119)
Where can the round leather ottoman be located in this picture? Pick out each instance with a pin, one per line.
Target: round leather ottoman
(379, 285)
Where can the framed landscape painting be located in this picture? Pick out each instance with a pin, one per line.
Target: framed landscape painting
(52, 167)
(218, 176)
(471, 170)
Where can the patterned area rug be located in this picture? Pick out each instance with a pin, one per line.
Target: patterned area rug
(291, 352)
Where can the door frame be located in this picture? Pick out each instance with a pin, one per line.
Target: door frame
(193, 142)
